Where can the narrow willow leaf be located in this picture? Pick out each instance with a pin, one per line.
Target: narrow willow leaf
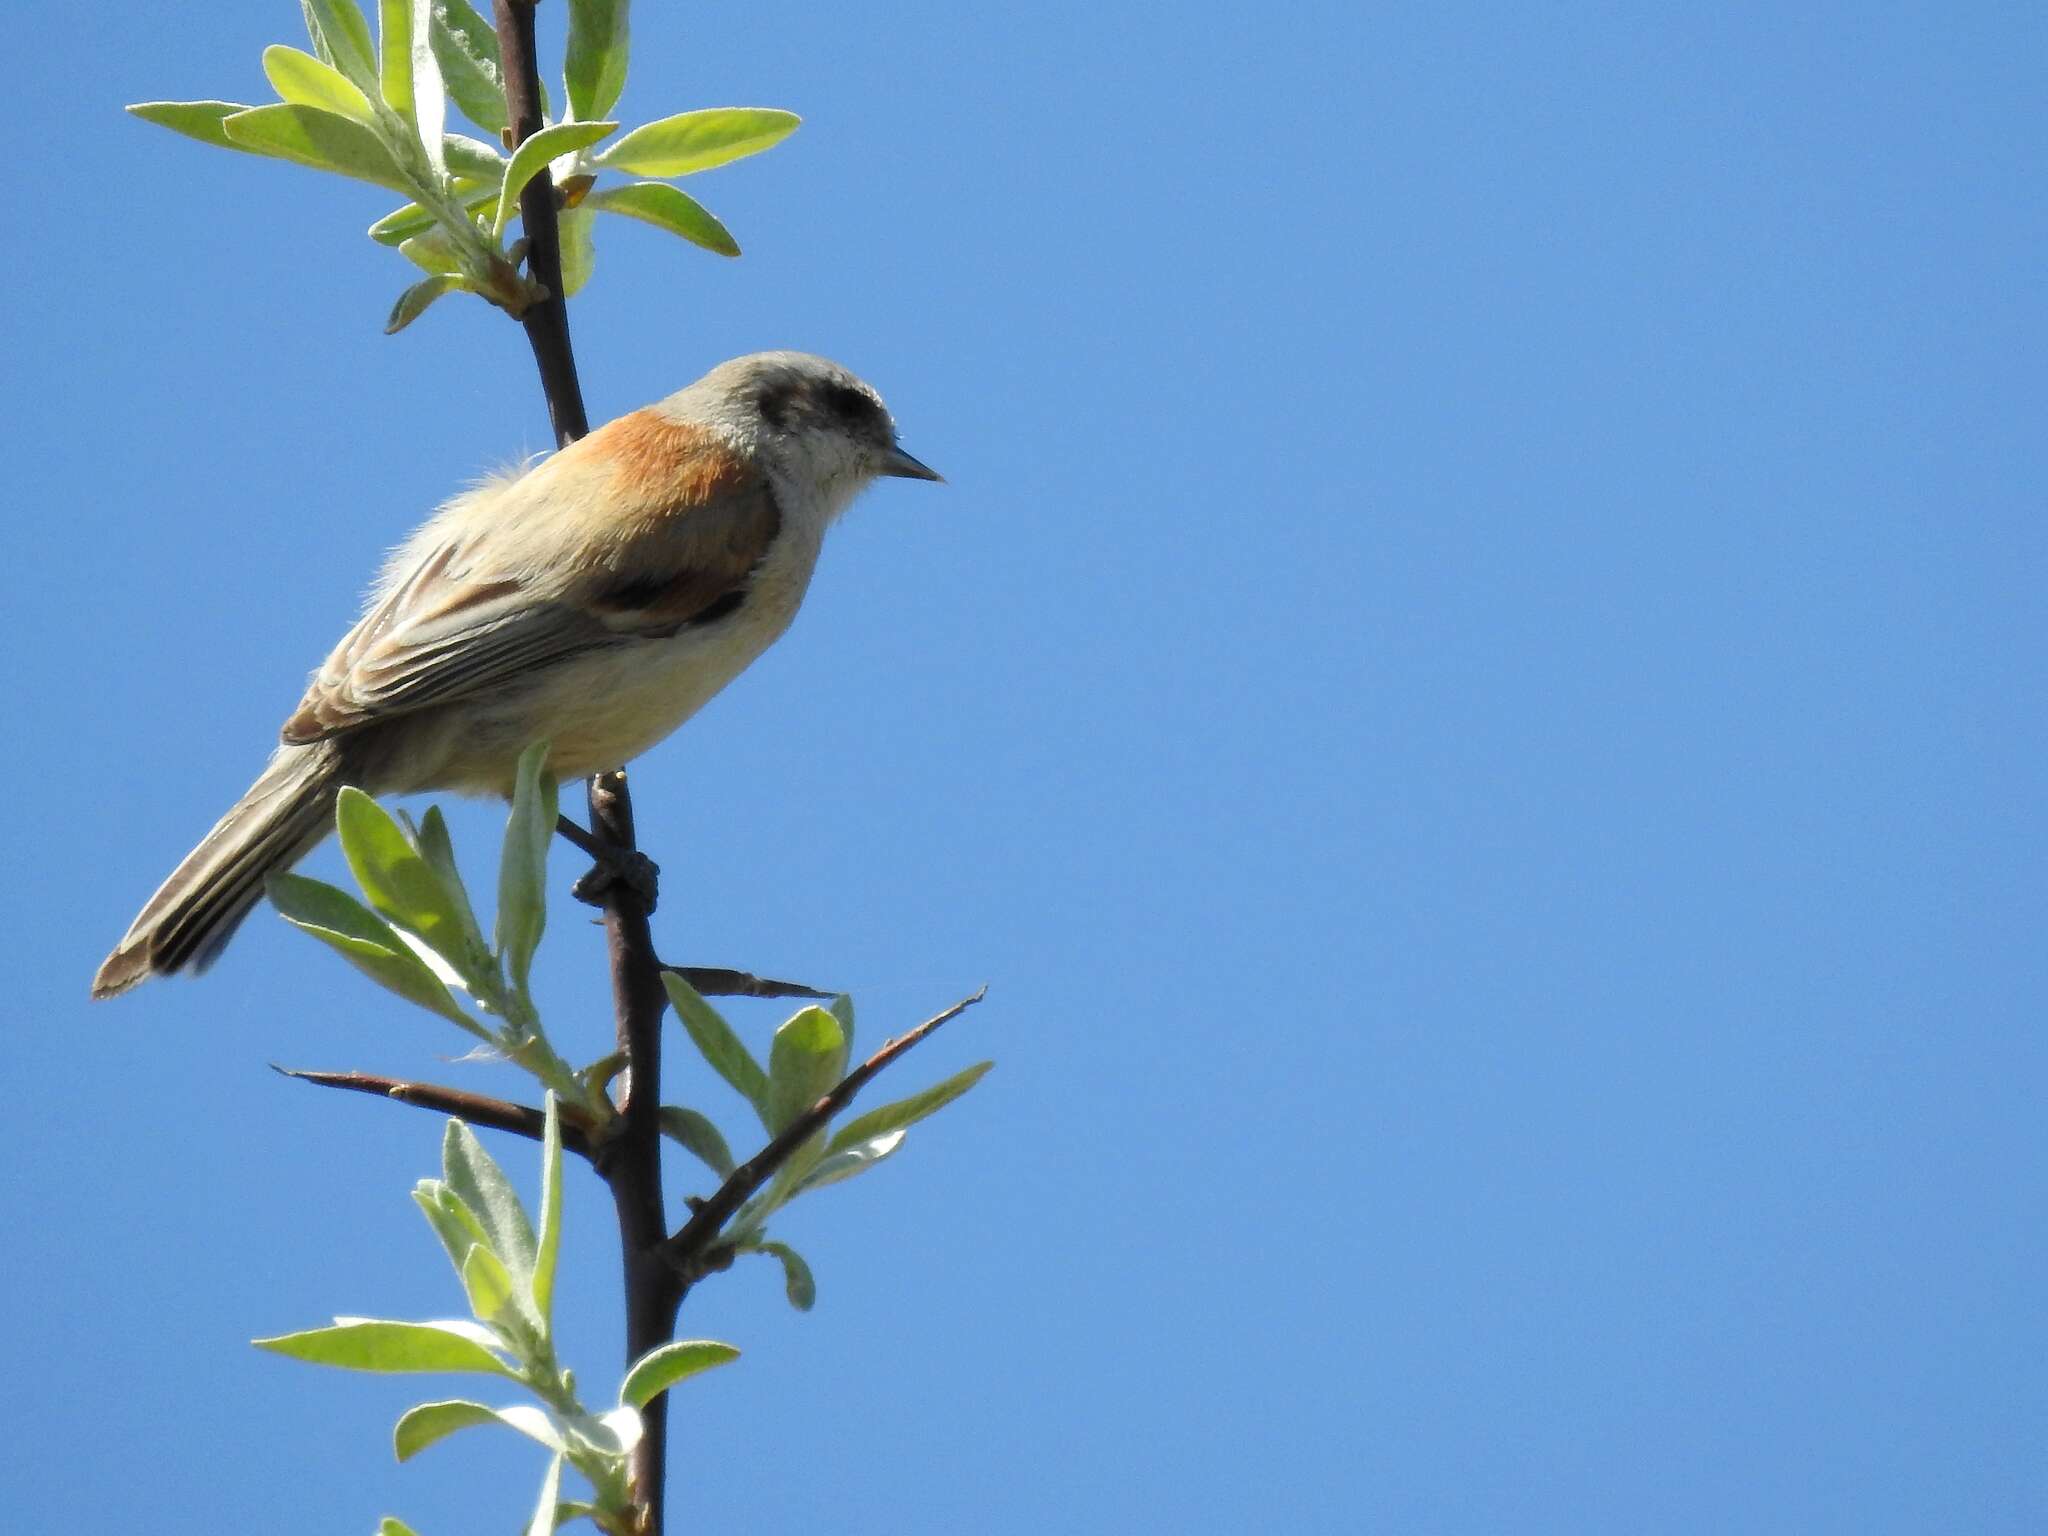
(534, 153)
(414, 301)
(372, 1344)
(467, 49)
(489, 1285)
(908, 1111)
(548, 1247)
(807, 1057)
(341, 922)
(301, 78)
(696, 141)
(420, 1427)
(453, 1222)
(841, 1008)
(401, 224)
(391, 1525)
(326, 141)
(400, 882)
(666, 1364)
(543, 1521)
(850, 1160)
(438, 849)
(429, 91)
(579, 251)
(594, 70)
(346, 31)
(522, 872)
(718, 1045)
(199, 120)
(473, 160)
(797, 1282)
(433, 252)
(475, 1178)
(394, 56)
(699, 1136)
(669, 208)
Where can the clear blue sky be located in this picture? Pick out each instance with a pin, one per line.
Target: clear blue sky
(1476, 696)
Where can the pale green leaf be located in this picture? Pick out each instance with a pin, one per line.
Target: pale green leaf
(548, 1250)
(326, 141)
(301, 78)
(433, 252)
(859, 1157)
(807, 1057)
(400, 882)
(473, 160)
(372, 1344)
(698, 1135)
(908, 1111)
(467, 49)
(453, 1222)
(716, 1042)
(438, 850)
(696, 141)
(338, 920)
(594, 70)
(391, 1525)
(669, 208)
(522, 872)
(414, 301)
(345, 31)
(841, 1008)
(394, 56)
(488, 1283)
(534, 153)
(543, 1521)
(429, 91)
(475, 1178)
(579, 251)
(199, 120)
(797, 1282)
(666, 1364)
(420, 1427)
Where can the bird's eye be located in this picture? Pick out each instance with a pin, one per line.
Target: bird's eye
(851, 407)
(773, 404)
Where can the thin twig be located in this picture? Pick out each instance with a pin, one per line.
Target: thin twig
(497, 1114)
(686, 1250)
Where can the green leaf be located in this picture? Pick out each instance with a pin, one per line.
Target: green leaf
(420, 1427)
(199, 120)
(543, 1521)
(438, 849)
(341, 36)
(338, 920)
(850, 1160)
(398, 879)
(372, 1344)
(841, 1008)
(698, 1135)
(453, 1222)
(903, 1112)
(301, 78)
(807, 1057)
(433, 252)
(718, 1045)
(797, 1282)
(467, 50)
(548, 1249)
(534, 153)
(394, 56)
(473, 160)
(666, 1364)
(594, 71)
(325, 141)
(696, 141)
(429, 92)
(391, 1525)
(669, 208)
(579, 252)
(414, 301)
(522, 872)
(476, 1180)
(488, 1283)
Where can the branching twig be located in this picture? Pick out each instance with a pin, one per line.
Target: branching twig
(686, 1251)
(498, 1114)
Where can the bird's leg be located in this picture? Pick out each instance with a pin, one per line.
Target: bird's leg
(614, 866)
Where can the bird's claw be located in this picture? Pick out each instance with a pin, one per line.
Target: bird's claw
(624, 867)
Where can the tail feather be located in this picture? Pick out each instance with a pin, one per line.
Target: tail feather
(190, 919)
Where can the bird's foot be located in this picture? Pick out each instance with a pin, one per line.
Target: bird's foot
(619, 867)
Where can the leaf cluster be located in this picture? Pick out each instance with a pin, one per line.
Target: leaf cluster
(507, 1269)
(376, 109)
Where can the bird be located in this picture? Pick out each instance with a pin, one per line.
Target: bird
(595, 599)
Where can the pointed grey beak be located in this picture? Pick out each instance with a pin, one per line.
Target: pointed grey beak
(900, 464)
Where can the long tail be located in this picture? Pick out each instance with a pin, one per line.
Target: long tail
(190, 919)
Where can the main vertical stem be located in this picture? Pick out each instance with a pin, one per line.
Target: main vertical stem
(631, 1163)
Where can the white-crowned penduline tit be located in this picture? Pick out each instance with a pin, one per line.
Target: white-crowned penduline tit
(596, 600)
